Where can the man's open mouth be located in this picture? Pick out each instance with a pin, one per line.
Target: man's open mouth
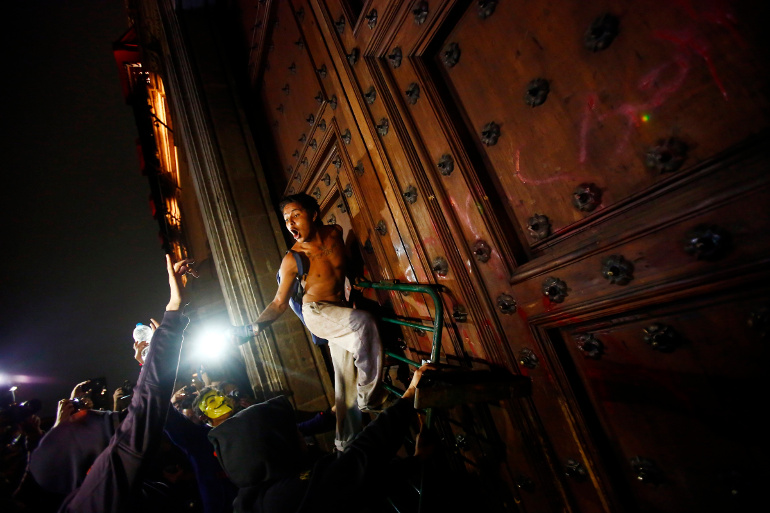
(295, 233)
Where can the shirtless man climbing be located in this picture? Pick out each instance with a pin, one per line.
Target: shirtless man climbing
(354, 341)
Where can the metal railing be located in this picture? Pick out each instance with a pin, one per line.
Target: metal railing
(438, 323)
(438, 326)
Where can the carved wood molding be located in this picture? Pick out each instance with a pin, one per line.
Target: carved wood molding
(258, 44)
(731, 176)
(323, 140)
(397, 134)
(402, 141)
(684, 287)
(468, 289)
(402, 125)
(348, 83)
(357, 23)
(385, 16)
(723, 178)
(580, 441)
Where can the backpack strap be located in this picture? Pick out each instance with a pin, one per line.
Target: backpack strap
(297, 291)
(300, 264)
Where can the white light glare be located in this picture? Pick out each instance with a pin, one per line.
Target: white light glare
(212, 343)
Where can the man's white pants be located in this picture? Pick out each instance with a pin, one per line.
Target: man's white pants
(356, 351)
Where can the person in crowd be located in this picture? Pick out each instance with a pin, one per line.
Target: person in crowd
(182, 401)
(91, 394)
(191, 436)
(264, 454)
(231, 389)
(96, 461)
(20, 433)
(81, 395)
(185, 429)
(121, 398)
(352, 334)
(214, 405)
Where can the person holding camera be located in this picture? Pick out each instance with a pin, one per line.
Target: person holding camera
(20, 433)
(95, 462)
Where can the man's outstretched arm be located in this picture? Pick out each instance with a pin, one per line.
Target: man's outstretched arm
(112, 482)
(280, 302)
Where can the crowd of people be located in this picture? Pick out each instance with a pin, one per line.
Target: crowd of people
(209, 446)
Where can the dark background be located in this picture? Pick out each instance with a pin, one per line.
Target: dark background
(80, 257)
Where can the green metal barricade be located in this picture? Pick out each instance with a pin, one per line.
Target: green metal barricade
(438, 326)
(438, 323)
(453, 387)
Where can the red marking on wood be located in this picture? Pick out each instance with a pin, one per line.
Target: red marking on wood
(688, 41)
(468, 342)
(718, 13)
(662, 92)
(632, 112)
(494, 332)
(533, 181)
(585, 126)
(469, 205)
(687, 7)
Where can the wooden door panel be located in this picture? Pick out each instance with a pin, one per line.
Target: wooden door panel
(684, 70)
(375, 194)
(674, 70)
(659, 250)
(694, 403)
(438, 232)
(290, 88)
(451, 216)
(378, 184)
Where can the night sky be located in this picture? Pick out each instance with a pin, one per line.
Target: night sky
(81, 259)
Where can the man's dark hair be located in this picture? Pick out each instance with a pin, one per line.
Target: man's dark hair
(306, 201)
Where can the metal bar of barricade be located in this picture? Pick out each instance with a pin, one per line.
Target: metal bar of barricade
(402, 359)
(438, 326)
(393, 389)
(438, 323)
(408, 323)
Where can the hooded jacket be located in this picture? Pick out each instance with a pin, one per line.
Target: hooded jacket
(259, 444)
(66, 452)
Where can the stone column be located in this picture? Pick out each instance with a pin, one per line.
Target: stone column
(230, 186)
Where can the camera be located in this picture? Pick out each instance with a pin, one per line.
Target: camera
(128, 389)
(81, 403)
(94, 395)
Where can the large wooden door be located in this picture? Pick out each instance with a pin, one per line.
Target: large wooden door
(588, 181)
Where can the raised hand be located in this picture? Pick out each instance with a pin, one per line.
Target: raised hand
(175, 272)
(138, 348)
(416, 379)
(64, 411)
(79, 389)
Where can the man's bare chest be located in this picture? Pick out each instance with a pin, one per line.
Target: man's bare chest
(328, 253)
